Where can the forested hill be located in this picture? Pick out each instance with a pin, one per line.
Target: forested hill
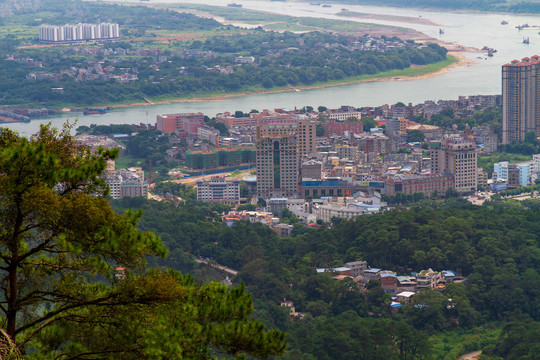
(497, 247)
(531, 7)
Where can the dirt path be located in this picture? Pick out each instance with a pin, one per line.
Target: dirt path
(471, 356)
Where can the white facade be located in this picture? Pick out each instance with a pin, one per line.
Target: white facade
(126, 183)
(219, 190)
(78, 32)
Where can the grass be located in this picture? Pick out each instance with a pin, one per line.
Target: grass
(124, 162)
(450, 345)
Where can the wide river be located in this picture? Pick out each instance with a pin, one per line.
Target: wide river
(465, 28)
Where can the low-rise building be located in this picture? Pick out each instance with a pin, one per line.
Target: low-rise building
(427, 184)
(126, 182)
(428, 278)
(357, 267)
(219, 190)
(283, 230)
(405, 297)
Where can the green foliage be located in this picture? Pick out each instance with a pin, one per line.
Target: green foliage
(403, 199)
(311, 64)
(520, 190)
(415, 136)
(247, 207)
(165, 315)
(487, 162)
(495, 247)
(57, 232)
(450, 345)
(349, 336)
(520, 339)
(75, 283)
(181, 190)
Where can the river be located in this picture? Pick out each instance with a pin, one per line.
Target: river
(465, 28)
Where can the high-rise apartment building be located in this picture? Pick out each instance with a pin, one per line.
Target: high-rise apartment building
(521, 99)
(303, 129)
(277, 167)
(78, 32)
(457, 157)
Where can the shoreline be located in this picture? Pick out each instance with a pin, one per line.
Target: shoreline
(460, 61)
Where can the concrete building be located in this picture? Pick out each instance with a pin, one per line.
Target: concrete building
(283, 230)
(188, 122)
(515, 175)
(231, 121)
(357, 267)
(276, 205)
(521, 99)
(217, 189)
(303, 129)
(277, 167)
(457, 157)
(126, 182)
(311, 169)
(376, 143)
(427, 184)
(328, 187)
(428, 278)
(78, 32)
(396, 127)
(482, 177)
(208, 133)
(340, 128)
(343, 113)
(347, 152)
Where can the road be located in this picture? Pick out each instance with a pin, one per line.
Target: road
(217, 266)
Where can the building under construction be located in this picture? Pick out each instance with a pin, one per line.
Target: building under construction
(220, 158)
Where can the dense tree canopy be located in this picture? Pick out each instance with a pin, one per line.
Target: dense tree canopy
(74, 279)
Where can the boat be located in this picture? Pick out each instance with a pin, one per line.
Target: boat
(93, 111)
(234, 5)
(504, 22)
(526, 40)
(490, 53)
(326, 5)
(441, 31)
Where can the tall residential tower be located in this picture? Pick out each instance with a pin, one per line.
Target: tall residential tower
(521, 99)
(277, 167)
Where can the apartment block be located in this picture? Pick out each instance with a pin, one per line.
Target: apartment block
(78, 32)
(457, 157)
(521, 99)
(277, 167)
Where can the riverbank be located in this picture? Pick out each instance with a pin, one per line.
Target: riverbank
(455, 59)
